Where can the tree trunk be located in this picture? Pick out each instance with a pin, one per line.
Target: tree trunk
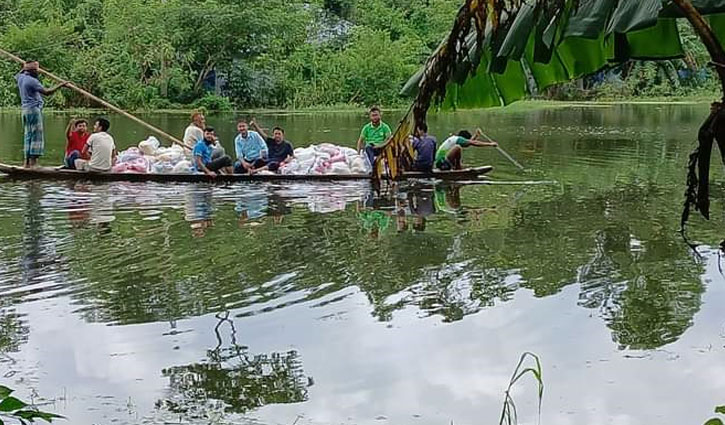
(698, 177)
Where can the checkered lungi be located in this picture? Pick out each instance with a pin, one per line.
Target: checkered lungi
(34, 140)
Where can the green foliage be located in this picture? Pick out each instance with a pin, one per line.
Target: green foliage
(265, 53)
(18, 410)
(212, 102)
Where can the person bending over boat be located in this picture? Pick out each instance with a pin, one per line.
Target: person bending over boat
(250, 149)
(425, 148)
(31, 98)
(374, 135)
(76, 135)
(100, 147)
(448, 156)
(195, 132)
(202, 156)
(279, 150)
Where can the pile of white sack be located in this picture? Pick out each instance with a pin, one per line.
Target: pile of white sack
(326, 159)
(150, 157)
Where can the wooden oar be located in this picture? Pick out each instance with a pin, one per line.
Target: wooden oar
(102, 102)
(501, 151)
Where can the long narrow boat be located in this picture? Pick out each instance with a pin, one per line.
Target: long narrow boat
(49, 173)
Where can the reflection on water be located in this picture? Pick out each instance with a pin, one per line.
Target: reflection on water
(411, 302)
(232, 376)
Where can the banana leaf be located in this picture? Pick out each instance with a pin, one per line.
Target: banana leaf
(590, 19)
(717, 23)
(632, 15)
(659, 42)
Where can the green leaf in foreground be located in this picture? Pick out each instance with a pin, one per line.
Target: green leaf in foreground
(714, 421)
(720, 409)
(4, 392)
(11, 404)
(31, 415)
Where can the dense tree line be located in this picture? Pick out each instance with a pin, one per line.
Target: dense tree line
(224, 53)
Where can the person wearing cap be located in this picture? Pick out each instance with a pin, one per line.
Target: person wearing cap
(31, 98)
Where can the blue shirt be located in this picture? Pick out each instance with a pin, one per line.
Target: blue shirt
(202, 150)
(30, 88)
(250, 148)
(426, 149)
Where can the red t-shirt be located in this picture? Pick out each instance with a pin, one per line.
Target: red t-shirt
(76, 142)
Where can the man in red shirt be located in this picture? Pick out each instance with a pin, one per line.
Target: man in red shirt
(76, 137)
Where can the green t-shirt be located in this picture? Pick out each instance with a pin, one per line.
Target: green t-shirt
(447, 146)
(375, 135)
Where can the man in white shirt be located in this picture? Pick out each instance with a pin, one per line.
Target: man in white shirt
(195, 132)
(101, 148)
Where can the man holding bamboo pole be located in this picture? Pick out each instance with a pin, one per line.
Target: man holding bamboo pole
(31, 97)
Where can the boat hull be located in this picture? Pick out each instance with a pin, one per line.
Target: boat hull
(47, 173)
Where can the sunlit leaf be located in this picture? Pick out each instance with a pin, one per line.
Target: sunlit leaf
(11, 404)
(4, 392)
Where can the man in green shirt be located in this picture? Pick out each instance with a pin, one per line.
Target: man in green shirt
(448, 156)
(374, 135)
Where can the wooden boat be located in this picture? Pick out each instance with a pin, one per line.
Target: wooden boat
(49, 173)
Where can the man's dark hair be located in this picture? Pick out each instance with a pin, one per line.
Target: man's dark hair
(103, 123)
(374, 109)
(242, 121)
(209, 130)
(278, 128)
(423, 127)
(465, 134)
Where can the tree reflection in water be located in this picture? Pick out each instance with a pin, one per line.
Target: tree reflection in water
(235, 379)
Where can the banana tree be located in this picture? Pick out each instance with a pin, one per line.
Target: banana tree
(496, 47)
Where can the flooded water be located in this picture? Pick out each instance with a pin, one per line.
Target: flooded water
(332, 304)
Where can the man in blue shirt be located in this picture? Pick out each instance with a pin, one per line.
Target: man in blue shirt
(250, 148)
(202, 156)
(425, 149)
(31, 98)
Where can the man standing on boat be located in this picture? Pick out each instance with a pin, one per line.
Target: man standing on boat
(374, 135)
(250, 149)
(280, 150)
(31, 97)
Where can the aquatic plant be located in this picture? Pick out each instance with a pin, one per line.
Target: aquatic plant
(16, 410)
(509, 414)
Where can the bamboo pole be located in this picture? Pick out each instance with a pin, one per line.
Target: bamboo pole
(101, 102)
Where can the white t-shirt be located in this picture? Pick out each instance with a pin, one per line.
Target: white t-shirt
(192, 134)
(101, 147)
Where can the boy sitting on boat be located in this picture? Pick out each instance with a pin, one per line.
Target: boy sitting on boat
(374, 135)
(202, 153)
(425, 148)
(101, 149)
(76, 135)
